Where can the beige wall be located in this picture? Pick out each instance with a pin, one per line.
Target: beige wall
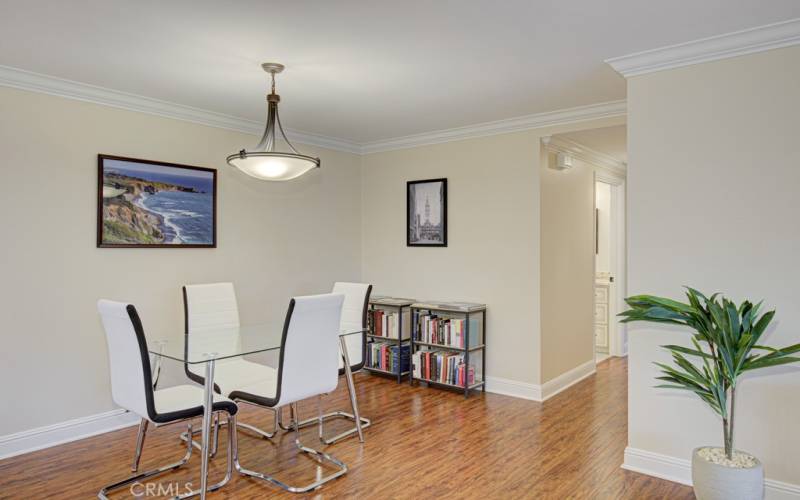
(567, 267)
(493, 253)
(713, 177)
(493, 238)
(275, 240)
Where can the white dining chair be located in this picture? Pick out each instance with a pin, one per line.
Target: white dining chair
(132, 389)
(354, 316)
(213, 307)
(307, 367)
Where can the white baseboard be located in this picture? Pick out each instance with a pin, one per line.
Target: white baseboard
(679, 470)
(536, 392)
(513, 388)
(65, 432)
(567, 379)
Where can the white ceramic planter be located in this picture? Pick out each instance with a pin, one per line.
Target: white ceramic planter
(718, 482)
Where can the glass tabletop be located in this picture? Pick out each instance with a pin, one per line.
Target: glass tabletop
(226, 342)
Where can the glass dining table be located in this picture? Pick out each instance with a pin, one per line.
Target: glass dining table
(204, 348)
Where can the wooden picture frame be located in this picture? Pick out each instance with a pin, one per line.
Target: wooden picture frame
(155, 204)
(426, 224)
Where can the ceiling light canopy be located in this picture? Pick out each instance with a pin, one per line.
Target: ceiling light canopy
(264, 162)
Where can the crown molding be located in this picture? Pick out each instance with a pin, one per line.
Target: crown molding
(551, 118)
(37, 82)
(558, 144)
(738, 43)
(46, 84)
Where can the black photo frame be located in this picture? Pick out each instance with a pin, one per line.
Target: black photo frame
(426, 224)
(184, 215)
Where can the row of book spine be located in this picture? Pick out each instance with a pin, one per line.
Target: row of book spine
(386, 324)
(451, 332)
(385, 356)
(443, 367)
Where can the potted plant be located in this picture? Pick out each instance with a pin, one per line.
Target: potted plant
(725, 344)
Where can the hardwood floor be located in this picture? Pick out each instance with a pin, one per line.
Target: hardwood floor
(423, 443)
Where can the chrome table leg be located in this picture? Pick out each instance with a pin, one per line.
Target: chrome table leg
(351, 387)
(232, 452)
(208, 406)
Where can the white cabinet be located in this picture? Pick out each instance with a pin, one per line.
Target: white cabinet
(601, 337)
(602, 290)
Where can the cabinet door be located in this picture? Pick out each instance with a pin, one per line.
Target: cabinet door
(601, 294)
(601, 314)
(601, 336)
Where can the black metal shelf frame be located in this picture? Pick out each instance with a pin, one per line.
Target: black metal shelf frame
(466, 350)
(445, 385)
(398, 341)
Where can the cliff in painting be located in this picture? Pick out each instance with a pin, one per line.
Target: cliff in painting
(146, 204)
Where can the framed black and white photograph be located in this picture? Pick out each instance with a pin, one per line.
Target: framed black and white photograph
(426, 212)
(153, 204)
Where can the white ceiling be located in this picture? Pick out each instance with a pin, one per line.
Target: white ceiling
(365, 70)
(611, 141)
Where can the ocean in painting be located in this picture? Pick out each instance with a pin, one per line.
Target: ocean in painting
(157, 204)
(188, 217)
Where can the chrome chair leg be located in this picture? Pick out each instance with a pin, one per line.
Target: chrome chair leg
(252, 428)
(139, 443)
(240, 425)
(215, 442)
(287, 428)
(319, 456)
(103, 494)
(232, 449)
(365, 422)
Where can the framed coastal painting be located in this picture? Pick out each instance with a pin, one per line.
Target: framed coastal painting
(153, 204)
(426, 213)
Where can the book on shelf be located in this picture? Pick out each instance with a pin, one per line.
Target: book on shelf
(387, 323)
(431, 328)
(387, 357)
(443, 367)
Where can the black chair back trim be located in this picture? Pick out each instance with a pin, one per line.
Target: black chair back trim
(152, 414)
(264, 401)
(192, 376)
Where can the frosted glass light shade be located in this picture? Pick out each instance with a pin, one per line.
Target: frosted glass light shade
(264, 162)
(272, 166)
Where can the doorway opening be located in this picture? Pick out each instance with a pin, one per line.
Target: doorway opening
(604, 150)
(609, 291)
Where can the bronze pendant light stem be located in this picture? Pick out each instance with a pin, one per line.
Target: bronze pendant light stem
(265, 161)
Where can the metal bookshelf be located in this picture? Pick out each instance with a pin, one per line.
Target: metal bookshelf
(400, 306)
(464, 310)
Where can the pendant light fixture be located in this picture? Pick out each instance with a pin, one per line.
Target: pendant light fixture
(264, 161)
